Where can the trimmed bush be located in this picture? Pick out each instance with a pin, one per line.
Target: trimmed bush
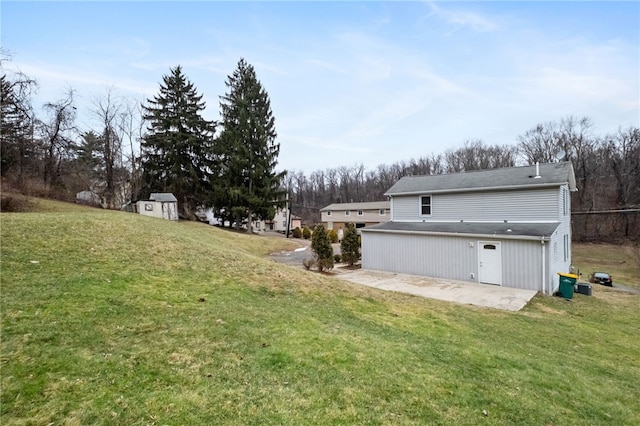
(308, 263)
(306, 233)
(337, 258)
(333, 236)
(297, 232)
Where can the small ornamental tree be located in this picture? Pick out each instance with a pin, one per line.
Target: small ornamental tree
(321, 246)
(350, 247)
(333, 236)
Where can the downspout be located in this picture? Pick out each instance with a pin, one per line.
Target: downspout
(543, 264)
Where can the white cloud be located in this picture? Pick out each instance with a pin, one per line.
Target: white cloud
(459, 19)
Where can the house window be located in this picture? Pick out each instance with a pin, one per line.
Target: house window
(329, 226)
(566, 248)
(425, 205)
(565, 201)
(329, 213)
(148, 207)
(347, 213)
(284, 223)
(360, 212)
(382, 212)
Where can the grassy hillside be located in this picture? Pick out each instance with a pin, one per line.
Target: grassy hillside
(622, 262)
(113, 318)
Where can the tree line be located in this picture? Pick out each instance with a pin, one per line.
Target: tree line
(163, 144)
(607, 168)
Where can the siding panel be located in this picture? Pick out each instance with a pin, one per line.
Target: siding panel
(441, 257)
(521, 264)
(450, 257)
(520, 206)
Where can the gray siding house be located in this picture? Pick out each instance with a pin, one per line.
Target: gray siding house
(509, 227)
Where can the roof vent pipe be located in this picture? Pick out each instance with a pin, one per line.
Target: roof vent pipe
(537, 176)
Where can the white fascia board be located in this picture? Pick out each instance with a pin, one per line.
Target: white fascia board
(465, 235)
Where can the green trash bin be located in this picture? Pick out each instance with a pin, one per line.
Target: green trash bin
(567, 283)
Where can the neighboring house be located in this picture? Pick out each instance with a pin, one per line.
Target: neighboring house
(277, 224)
(162, 205)
(280, 220)
(508, 227)
(336, 216)
(97, 191)
(89, 198)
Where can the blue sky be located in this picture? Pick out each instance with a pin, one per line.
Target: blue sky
(350, 82)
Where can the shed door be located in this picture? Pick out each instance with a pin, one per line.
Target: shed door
(169, 211)
(489, 262)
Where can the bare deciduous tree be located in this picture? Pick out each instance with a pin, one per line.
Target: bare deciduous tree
(57, 133)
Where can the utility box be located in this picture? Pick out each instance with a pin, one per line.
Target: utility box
(583, 288)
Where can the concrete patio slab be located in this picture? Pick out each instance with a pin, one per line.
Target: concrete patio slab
(490, 296)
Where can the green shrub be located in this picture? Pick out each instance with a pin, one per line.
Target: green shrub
(306, 233)
(321, 246)
(337, 258)
(308, 263)
(350, 247)
(333, 236)
(297, 232)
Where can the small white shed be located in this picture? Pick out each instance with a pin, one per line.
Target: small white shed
(163, 205)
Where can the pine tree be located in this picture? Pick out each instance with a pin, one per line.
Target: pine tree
(349, 246)
(322, 249)
(247, 151)
(177, 151)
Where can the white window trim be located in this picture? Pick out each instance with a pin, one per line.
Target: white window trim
(382, 212)
(420, 205)
(329, 213)
(347, 212)
(360, 213)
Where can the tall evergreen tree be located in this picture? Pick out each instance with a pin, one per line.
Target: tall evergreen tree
(247, 150)
(349, 246)
(322, 248)
(177, 150)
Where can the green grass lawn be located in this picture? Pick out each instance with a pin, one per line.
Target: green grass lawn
(622, 262)
(114, 318)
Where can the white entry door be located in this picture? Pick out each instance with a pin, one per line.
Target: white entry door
(489, 262)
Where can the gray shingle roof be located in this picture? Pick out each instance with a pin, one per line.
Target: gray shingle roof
(505, 178)
(538, 230)
(162, 196)
(369, 205)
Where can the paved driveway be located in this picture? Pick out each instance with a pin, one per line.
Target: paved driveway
(467, 293)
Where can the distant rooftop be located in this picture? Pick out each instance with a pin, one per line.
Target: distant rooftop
(162, 196)
(504, 178)
(368, 205)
